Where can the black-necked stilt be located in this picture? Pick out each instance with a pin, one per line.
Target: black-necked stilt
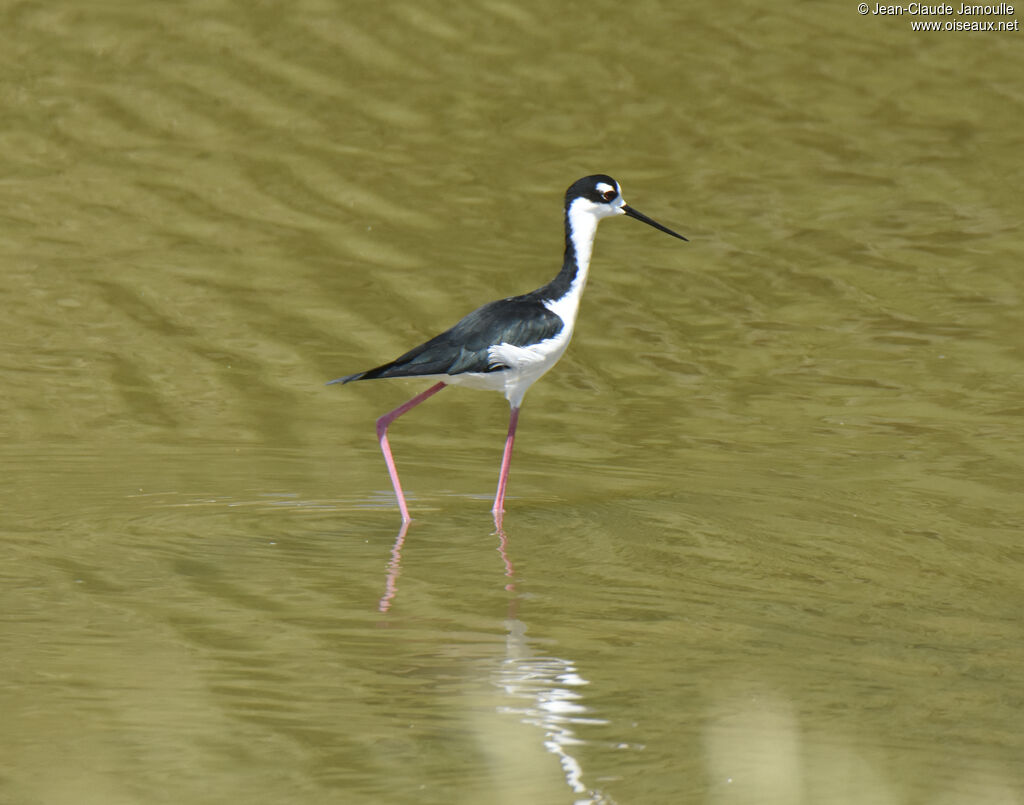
(508, 344)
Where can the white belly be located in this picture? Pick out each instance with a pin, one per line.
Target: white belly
(526, 365)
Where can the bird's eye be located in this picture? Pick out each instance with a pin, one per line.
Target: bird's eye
(608, 195)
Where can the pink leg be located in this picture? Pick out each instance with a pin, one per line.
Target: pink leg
(385, 448)
(506, 459)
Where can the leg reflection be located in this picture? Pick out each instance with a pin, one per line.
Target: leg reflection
(394, 568)
(503, 553)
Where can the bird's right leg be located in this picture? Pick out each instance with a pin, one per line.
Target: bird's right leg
(506, 460)
(385, 448)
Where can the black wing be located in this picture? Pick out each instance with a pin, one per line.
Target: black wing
(463, 348)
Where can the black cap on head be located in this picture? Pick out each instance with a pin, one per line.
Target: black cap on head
(599, 188)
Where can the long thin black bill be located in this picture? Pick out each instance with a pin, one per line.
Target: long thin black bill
(649, 221)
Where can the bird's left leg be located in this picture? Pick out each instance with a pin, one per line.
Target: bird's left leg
(385, 448)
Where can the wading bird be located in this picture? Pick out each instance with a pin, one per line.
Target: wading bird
(508, 344)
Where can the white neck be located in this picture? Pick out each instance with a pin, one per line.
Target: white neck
(583, 226)
(582, 229)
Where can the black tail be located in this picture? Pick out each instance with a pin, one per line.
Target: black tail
(392, 369)
(346, 379)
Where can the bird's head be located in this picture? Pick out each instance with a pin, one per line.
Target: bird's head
(599, 196)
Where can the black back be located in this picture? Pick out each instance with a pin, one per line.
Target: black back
(518, 320)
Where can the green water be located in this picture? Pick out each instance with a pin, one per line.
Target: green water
(764, 520)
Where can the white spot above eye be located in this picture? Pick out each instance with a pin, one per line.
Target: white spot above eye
(604, 187)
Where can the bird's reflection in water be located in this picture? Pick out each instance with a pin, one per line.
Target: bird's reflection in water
(546, 689)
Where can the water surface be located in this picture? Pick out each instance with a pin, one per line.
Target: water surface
(763, 541)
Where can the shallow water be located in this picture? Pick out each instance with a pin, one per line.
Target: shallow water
(763, 541)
